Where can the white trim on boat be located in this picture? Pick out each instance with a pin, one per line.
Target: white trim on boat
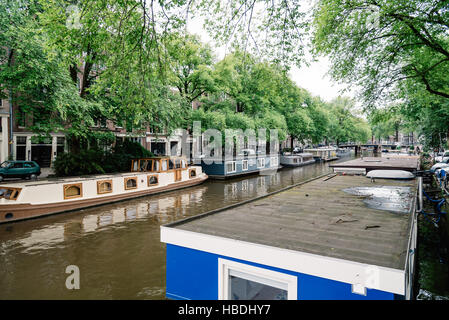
(354, 273)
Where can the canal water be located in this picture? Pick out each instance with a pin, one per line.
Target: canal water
(116, 247)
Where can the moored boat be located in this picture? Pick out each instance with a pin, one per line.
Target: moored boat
(240, 165)
(25, 200)
(297, 160)
(343, 152)
(323, 153)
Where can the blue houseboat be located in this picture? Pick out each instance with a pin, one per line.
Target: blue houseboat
(332, 237)
(240, 165)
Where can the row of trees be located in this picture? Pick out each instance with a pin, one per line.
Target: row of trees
(397, 53)
(70, 64)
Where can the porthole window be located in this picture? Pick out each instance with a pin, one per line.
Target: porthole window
(9, 216)
(152, 180)
(73, 191)
(104, 186)
(130, 183)
(192, 173)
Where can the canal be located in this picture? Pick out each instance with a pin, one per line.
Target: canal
(116, 247)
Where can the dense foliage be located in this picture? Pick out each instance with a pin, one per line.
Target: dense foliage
(70, 65)
(96, 160)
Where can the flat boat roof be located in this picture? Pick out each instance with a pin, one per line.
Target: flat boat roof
(345, 217)
(373, 163)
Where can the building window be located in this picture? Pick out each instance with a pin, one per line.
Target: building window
(261, 163)
(21, 140)
(60, 141)
(238, 281)
(231, 167)
(192, 173)
(245, 165)
(104, 186)
(130, 183)
(73, 191)
(152, 180)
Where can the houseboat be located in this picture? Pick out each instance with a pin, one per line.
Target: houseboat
(366, 164)
(297, 160)
(240, 165)
(343, 152)
(31, 199)
(358, 243)
(323, 153)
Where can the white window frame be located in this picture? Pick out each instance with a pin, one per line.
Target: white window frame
(247, 166)
(258, 164)
(252, 273)
(274, 162)
(234, 167)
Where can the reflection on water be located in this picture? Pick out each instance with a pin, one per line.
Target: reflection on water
(116, 246)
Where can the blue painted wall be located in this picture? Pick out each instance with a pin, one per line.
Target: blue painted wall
(193, 274)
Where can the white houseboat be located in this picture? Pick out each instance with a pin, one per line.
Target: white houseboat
(323, 153)
(31, 199)
(296, 160)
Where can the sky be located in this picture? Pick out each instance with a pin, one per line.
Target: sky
(313, 78)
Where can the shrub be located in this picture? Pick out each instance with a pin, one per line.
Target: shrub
(95, 161)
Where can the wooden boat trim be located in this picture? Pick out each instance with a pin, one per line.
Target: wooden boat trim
(99, 183)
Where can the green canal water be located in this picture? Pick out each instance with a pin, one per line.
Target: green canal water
(117, 247)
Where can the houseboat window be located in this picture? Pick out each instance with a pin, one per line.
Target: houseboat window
(152, 180)
(157, 166)
(192, 173)
(178, 164)
(260, 162)
(150, 165)
(164, 165)
(240, 281)
(104, 186)
(274, 161)
(73, 191)
(143, 165)
(134, 165)
(10, 194)
(245, 165)
(171, 164)
(183, 163)
(244, 289)
(231, 167)
(130, 183)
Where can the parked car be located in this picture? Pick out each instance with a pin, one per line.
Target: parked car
(19, 169)
(443, 157)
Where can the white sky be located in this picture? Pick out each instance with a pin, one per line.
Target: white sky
(313, 78)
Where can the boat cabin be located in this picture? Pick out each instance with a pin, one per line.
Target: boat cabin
(27, 199)
(333, 237)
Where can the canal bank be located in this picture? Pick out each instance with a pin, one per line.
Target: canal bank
(117, 247)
